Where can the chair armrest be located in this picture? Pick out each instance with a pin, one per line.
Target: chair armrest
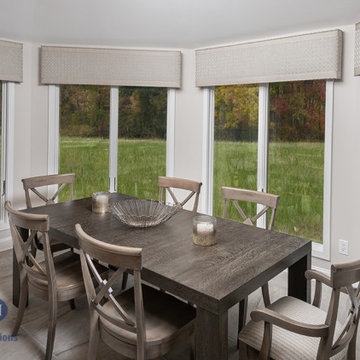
(274, 318)
(317, 275)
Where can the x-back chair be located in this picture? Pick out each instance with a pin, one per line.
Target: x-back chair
(170, 183)
(32, 185)
(293, 329)
(57, 278)
(270, 203)
(141, 322)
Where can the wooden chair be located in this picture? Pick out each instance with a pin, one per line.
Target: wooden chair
(270, 203)
(33, 183)
(169, 183)
(293, 329)
(55, 279)
(141, 322)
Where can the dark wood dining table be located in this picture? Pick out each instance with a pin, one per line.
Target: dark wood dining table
(212, 278)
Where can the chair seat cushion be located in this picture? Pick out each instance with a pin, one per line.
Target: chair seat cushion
(286, 344)
(165, 316)
(69, 279)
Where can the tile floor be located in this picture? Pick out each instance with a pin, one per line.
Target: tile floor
(71, 342)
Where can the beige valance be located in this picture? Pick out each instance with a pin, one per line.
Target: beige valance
(99, 66)
(357, 50)
(11, 61)
(302, 57)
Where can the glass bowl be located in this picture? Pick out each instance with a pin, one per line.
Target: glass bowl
(143, 213)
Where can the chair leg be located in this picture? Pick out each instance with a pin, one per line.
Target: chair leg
(192, 348)
(94, 336)
(52, 324)
(243, 354)
(351, 354)
(243, 304)
(22, 303)
(124, 280)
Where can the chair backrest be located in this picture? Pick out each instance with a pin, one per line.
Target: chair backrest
(169, 183)
(32, 224)
(344, 278)
(123, 258)
(35, 182)
(269, 201)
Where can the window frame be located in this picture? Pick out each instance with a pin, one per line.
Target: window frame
(54, 133)
(7, 147)
(318, 250)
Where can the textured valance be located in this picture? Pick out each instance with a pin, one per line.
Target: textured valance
(357, 49)
(303, 57)
(96, 66)
(11, 61)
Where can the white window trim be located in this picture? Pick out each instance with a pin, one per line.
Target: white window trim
(206, 203)
(170, 132)
(323, 250)
(113, 138)
(263, 147)
(7, 147)
(318, 250)
(54, 134)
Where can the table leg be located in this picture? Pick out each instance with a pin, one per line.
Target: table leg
(211, 335)
(16, 274)
(16, 281)
(298, 285)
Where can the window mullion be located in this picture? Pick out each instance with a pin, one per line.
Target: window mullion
(53, 129)
(208, 150)
(113, 138)
(263, 146)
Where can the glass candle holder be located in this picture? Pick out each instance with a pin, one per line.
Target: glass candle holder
(204, 230)
(101, 202)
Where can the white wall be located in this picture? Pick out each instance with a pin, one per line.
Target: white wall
(31, 139)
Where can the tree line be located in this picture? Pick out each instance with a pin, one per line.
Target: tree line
(297, 111)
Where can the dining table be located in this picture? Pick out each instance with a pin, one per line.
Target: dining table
(212, 278)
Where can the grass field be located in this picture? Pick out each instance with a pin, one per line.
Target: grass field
(295, 173)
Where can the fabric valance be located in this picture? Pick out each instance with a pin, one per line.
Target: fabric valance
(115, 67)
(357, 50)
(302, 57)
(11, 61)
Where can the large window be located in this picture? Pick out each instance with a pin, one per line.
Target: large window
(277, 138)
(235, 145)
(111, 138)
(142, 140)
(84, 137)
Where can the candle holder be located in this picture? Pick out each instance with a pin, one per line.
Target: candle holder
(204, 230)
(101, 202)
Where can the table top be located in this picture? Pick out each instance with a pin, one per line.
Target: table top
(214, 278)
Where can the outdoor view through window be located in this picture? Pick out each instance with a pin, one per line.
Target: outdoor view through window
(296, 151)
(235, 146)
(84, 138)
(296, 156)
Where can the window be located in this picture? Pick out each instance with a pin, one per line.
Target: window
(296, 148)
(276, 138)
(142, 140)
(112, 138)
(84, 137)
(235, 145)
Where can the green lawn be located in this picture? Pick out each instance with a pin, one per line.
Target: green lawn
(295, 173)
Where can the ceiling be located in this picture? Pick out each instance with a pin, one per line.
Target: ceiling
(167, 23)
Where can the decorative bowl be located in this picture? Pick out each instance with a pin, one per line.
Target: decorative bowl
(143, 213)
